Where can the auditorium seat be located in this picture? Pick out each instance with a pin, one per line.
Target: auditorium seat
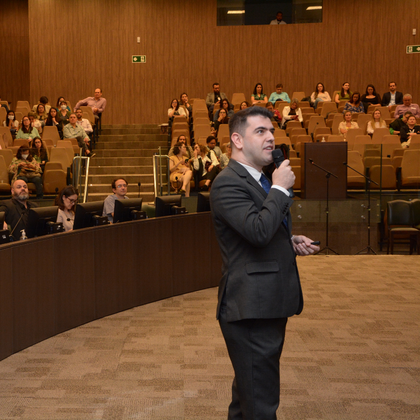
(4, 178)
(238, 98)
(7, 155)
(351, 134)
(202, 130)
(298, 95)
(338, 118)
(378, 135)
(54, 180)
(51, 132)
(410, 169)
(3, 115)
(223, 131)
(294, 133)
(315, 122)
(294, 125)
(362, 122)
(59, 154)
(6, 135)
(327, 108)
(354, 180)
(334, 138)
(389, 178)
(300, 140)
(320, 132)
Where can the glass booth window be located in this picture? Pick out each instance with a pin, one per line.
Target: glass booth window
(268, 12)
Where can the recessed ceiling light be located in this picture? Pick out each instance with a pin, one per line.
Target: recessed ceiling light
(314, 8)
(235, 12)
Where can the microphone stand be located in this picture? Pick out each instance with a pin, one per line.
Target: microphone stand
(327, 249)
(368, 249)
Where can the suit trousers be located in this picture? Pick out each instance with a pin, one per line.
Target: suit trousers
(254, 347)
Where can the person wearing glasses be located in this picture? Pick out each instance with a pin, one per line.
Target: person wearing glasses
(119, 187)
(66, 202)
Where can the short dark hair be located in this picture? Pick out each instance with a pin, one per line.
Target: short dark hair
(239, 121)
(210, 138)
(279, 85)
(115, 180)
(215, 84)
(66, 192)
(43, 100)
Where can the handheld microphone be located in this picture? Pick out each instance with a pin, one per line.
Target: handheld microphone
(278, 158)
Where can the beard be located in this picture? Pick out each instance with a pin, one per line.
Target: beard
(23, 196)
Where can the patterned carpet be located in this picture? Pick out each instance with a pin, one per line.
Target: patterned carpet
(353, 354)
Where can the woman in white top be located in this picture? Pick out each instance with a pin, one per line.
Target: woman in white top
(66, 202)
(179, 165)
(376, 122)
(320, 95)
(291, 113)
(347, 124)
(175, 109)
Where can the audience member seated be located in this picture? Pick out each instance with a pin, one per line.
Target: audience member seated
(119, 187)
(224, 159)
(179, 166)
(393, 97)
(227, 107)
(54, 121)
(39, 151)
(40, 114)
(184, 102)
(344, 94)
(97, 103)
(370, 97)
(243, 105)
(291, 113)
(58, 106)
(63, 114)
(398, 123)
(84, 122)
(12, 123)
(205, 164)
(279, 95)
(354, 105)
(376, 122)
(26, 131)
(66, 202)
(408, 131)
(26, 168)
(43, 100)
(35, 122)
(319, 95)
(347, 124)
(258, 96)
(279, 19)
(17, 209)
(212, 145)
(183, 140)
(214, 97)
(74, 131)
(407, 106)
(175, 109)
(276, 114)
(221, 119)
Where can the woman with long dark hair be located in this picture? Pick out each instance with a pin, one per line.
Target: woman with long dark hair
(354, 105)
(66, 202)
(319, 95)
(258, 96)
(26, 131)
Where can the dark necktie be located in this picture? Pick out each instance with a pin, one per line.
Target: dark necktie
(267, 186)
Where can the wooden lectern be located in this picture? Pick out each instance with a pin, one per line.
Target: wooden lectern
(331, 157)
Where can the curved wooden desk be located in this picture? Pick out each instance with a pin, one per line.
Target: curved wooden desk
(54, 283)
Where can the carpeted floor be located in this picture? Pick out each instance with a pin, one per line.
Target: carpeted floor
(353, 354)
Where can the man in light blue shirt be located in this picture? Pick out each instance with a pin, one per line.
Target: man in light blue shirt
(279, 95)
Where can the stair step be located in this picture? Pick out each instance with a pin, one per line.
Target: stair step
(133, 137)
(106, 170)
(130, 144)
(148, 197)
(131, 130)
(109, 153)
(106, 179)
(122, 161)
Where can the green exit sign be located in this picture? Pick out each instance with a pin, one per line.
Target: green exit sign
(138, 59)
(412, 49)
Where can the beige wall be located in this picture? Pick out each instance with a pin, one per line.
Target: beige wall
(89, 44)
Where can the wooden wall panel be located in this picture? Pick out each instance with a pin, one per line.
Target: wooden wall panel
(6, 303)
(14, 51)
(360, 42)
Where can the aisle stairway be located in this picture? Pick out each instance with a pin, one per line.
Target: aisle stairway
(125, 150)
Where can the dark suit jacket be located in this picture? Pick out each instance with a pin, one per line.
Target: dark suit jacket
(259, 274)
(210, 98)
(387, 97)
(16, 215)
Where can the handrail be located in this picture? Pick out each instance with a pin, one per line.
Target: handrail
(158, 173)
(77, 175)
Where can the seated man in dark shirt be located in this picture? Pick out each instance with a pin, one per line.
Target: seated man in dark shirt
(397, 124)
(17, 209)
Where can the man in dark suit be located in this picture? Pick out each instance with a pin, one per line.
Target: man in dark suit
(393, 97)
(260, 285)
